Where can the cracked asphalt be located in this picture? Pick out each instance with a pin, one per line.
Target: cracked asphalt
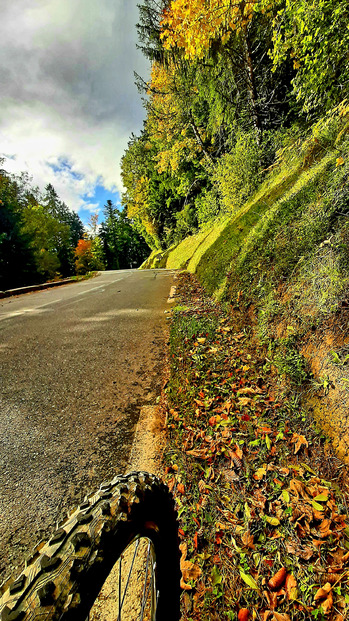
(76, 364)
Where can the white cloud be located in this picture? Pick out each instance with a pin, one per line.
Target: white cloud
(67, 92)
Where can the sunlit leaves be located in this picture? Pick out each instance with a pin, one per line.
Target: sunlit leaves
(193, 25)
(315, 35)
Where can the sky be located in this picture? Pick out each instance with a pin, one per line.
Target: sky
(68, 103)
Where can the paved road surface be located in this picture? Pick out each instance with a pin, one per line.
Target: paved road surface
(76, 364)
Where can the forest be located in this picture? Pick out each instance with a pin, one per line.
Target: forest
(232, 84)
(42, 239)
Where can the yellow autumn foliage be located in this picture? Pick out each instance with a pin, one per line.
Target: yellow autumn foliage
(193, 24)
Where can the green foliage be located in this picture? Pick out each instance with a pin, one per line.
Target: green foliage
(48, 236)
(289, 361)
(207, 205)
(186, 223)
(97, 254)
(38, 233)
(315, 35)
(237, 174)
(120, 245)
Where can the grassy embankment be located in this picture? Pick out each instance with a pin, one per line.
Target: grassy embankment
(261, 495)
(283, 261)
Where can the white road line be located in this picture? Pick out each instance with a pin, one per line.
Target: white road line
(37, 309)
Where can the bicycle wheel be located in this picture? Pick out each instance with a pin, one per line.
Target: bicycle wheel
(63, 578)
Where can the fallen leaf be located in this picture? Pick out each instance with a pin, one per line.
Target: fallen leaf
(317, 506)
(272, 599)
(285, 496)
(244, 401)
(291, 587)
(321, 498)
(243, 614)
(249, 580)
(190, 571)
(299, 442)
(278, 579)
(278, 616)
(250, 391)
(323, 592)
(273, 521)
(235, 459)
(265, 430)
(247, 540)
(181, 488)
(327, 603)
(199, 453)
(216, 577)
(202, 486)
(239, 452)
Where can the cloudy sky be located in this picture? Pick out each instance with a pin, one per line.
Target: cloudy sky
(68, 102)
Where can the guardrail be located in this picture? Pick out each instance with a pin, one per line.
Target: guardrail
(46, 285)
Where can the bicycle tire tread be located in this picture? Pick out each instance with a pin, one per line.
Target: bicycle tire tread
(56, 582)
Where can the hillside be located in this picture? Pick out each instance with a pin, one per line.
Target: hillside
(282, 262)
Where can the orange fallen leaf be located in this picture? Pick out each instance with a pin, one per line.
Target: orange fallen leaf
(247, 540)
(299, 442)
(291, 587)
(199, 453)
(324, 528)
(243, 614)
(278, 579)
(181, 488)
(323, 592)
(272, 599)
(238, 451)
(325, 597)
(190, 571)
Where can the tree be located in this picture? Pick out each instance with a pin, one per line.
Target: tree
(315, 36)
(17, 263)
(49, 237)
(86, 256)
(123, 246)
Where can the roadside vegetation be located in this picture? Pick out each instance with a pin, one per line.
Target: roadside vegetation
(261, 497)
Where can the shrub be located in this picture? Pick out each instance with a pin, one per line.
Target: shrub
(237, 174)
(208, 206)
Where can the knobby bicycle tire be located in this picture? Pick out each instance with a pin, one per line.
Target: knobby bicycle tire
(63, 578)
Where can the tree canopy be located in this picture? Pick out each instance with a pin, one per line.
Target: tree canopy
(229, 82)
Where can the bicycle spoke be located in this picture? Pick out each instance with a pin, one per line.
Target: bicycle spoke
(145, 583)
(121, 601)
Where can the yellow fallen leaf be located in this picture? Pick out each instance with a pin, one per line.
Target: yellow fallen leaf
(273, 521)
(259, 474)
(339, 161)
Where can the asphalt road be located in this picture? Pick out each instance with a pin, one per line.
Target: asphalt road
(76, 364)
